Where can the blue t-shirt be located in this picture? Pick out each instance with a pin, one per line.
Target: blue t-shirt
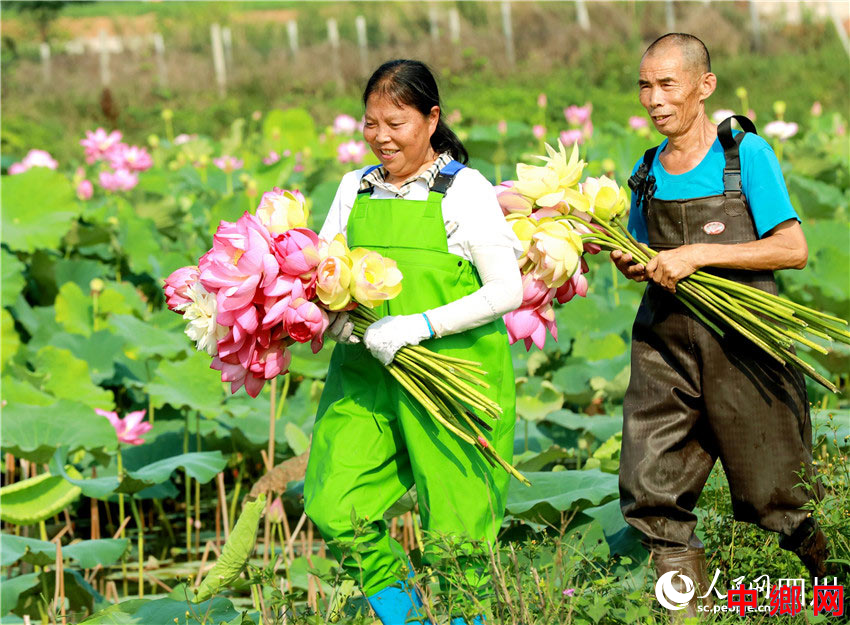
(761, 180)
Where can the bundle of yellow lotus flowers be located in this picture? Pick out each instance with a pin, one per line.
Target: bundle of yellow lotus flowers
(557, 218)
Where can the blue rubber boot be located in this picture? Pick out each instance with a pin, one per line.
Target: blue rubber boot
(396, 604)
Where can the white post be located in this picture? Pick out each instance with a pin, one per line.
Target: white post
(755, 24)
(159, 50)
(432, 19)
(508, 30)
(333, 38)
(670, 15)
(582, 17)
(227, 42)
(218, 59)
(454, 25)
(104, 59)
(362, 43)
(44, 50)
(838, 21)
(292, 32)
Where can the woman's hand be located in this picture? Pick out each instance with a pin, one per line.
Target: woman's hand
(388, 335)
(341, 328)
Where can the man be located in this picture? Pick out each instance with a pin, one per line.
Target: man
(708, 199)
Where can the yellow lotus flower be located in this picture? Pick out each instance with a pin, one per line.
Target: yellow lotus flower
(333, 282)
(281, 210)
(374, 278)
(555, 251)
(604, 197)
(552, 185)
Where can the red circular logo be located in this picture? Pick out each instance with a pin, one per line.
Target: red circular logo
(714, 227)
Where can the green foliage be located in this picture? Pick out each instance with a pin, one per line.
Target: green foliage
(38, 206)
(29, 501)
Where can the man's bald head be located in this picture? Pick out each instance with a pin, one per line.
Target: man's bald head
(694, 53)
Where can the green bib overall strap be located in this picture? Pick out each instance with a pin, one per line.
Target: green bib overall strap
(372, 442)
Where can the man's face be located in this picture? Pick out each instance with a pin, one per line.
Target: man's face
(670, 91)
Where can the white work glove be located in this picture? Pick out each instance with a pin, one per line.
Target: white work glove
(388, 335)
(340, 328)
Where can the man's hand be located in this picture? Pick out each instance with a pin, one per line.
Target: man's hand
(670, 266)
(627, 266)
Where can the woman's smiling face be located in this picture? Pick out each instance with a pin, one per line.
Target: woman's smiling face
(399, 135)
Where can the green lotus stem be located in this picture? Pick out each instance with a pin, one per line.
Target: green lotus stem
(459, 388)
(410, 386)
(121, 519)
(140, 545)
(188, 487)
(402, 359)
(719, 313)
(688, 300)
(720, 298)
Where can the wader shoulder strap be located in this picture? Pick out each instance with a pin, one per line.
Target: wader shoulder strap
(641, 183)
(368, 188)
(446, 177)
(731, 145)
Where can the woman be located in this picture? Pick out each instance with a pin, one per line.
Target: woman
(440, 221)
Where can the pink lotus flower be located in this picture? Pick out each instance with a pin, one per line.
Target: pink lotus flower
(304, 321)
(578, 115)
(129, 429)
(119, 180)
(351, 152)
(129, 157)
(817, 109)
(535, 293)
(636, 122)
(530, 325)
(98, 143)
(344, 125)
(539, 131)
(571, 136)
(263, 363)
(272, 158)
(275, 512)
(34, 158)
(511, 201)
(228, 164)
(240, 263)
(177, 286)
(503, 127)
(184, 138)
(577, 285)
(297, 252)
(542, 101)
(85, 189)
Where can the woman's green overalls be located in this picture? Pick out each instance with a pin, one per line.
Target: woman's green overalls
(372, 442)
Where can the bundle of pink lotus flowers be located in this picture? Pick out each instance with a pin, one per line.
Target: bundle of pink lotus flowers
(557, 219)
(269, 281)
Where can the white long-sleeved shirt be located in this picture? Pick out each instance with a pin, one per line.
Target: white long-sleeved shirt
(476, 230)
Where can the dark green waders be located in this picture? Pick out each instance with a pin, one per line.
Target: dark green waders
(694, 397)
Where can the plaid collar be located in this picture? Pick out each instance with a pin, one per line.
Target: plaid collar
(376, 177)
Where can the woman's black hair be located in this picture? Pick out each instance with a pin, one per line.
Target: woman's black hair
(412, 83)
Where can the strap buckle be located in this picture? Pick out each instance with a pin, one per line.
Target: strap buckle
(732, 180)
